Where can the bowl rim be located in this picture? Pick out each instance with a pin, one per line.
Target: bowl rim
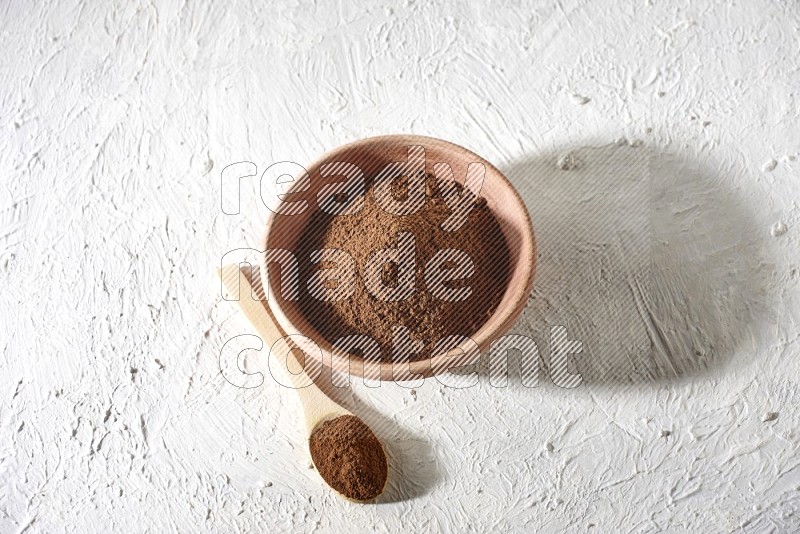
(433, 364)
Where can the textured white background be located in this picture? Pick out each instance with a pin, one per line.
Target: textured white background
(117, 117)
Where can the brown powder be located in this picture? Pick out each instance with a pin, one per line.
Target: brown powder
(426, 317)
(349, 457)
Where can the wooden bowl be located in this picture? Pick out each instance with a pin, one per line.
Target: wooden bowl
(371, 155)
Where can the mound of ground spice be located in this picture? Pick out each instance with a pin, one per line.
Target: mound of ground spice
(349, 457)
(427, 318)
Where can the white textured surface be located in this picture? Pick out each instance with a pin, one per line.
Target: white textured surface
(116, 119)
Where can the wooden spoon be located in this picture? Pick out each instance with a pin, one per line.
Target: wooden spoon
(318, 408)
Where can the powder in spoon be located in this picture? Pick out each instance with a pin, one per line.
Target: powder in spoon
(349, 457)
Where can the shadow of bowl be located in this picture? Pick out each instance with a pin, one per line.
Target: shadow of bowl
(647, 258)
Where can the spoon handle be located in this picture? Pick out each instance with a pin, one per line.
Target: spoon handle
(316, 405)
